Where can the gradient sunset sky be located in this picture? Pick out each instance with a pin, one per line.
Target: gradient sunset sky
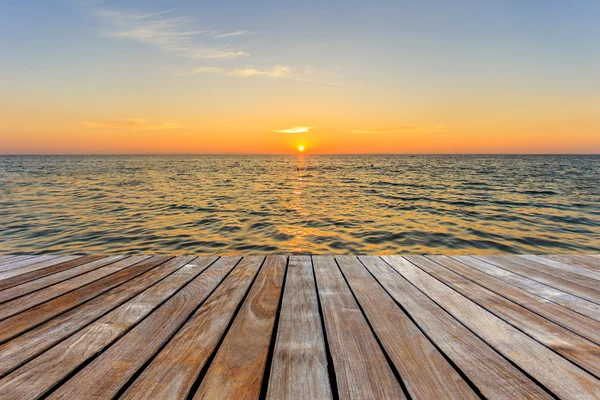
(223, 76)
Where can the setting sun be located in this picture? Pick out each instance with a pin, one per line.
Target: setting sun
(300, 149)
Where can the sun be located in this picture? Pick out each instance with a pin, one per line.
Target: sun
(300, 148)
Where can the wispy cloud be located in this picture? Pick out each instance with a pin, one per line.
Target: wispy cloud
(231, 34)
(177, 35)
(296, 129)
(278, 72)
(130, 123)
(404, 128)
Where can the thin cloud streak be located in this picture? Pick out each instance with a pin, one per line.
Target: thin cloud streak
(130, 123)
(296, 129)
(232, 34)
(175, 35)
(277, 72)
(405, 128)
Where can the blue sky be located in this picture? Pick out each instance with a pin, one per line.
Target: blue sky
(400, 57)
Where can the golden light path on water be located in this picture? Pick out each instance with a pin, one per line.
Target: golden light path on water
(300, 204)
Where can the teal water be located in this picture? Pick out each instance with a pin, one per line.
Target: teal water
(299, 204)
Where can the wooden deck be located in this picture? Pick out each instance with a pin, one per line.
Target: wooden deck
(300, 327)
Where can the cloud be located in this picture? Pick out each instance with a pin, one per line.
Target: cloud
(130, 123)
(231, 34)
(278, 72)
(296, 129)
(404, 128)
(176, 35)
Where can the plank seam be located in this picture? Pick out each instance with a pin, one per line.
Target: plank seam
(267, 372)
(456, 367)
(330, 367)
(86, 325)
(194, 388)
(520, 305)
(385, 354)
(533, 379)
(511, 324)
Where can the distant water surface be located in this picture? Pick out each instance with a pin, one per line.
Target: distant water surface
(299, 204)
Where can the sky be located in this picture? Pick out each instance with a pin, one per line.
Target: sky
(220, 76)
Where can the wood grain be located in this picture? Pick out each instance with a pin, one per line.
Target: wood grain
(567, 300)
(22, 348)
(571, 346)
(552, 281)
(107, 374)
(30, 272)
(299, 368)
(175, 369)
(565, 267)
(589, 262)
(361, 368)
(495, 377)
(38, 376)
(27, 301)
(563, 379)
(424, 370)
(238, 368)
(21, 261)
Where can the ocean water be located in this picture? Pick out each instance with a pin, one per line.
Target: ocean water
(299, 204)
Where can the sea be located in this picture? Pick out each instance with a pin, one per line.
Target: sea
(300, 204)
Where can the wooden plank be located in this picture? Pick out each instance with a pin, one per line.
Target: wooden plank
(424, 370)
(589, 262)
(35, 378)
(493, 375)
(571, 346)
(23, 303)
(11, 262)
(38, 284)
(230, 376)
(564, 275)
(299, 367)
(26, 346)
(106, 375)
(567, 300)
(574, 321)
(361, 369)
(171, 374)
(565, 267)
(24, 261)
(552, 281)
(19, 323)
(564, 379)
(29, 272)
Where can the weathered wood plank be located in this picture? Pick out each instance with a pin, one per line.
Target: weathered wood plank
(102, 269)
(565, 267)
(19, 323)
(574, 321)
(22, 261)
(38, 284)
(238, 368)
(361, 369)
(35, 378)
(557, 283)
(564, 379)
(299, 368)
(567, 300)
(589, 262)
(106, 375)
(548, 270)
(11, 262)
(26, 346)
(30, 272)
(425, 372)
(493, 375)
(571, 346)
(171, 374)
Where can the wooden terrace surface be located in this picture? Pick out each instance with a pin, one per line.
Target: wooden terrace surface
(300, 327)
